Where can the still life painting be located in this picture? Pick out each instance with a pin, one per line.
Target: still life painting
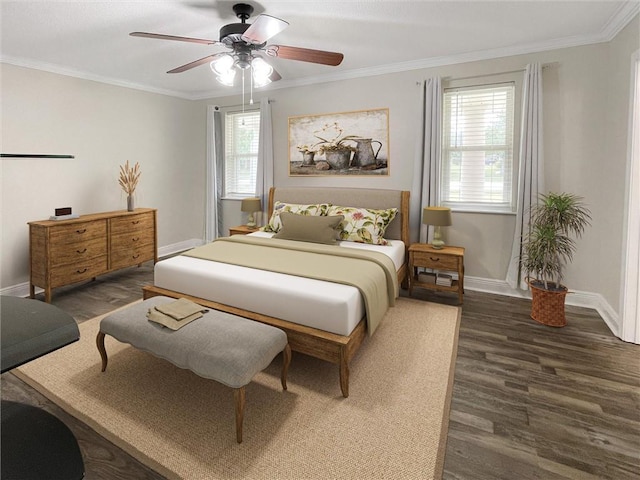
(347, 143)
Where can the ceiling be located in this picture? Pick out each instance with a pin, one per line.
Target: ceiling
(90, 39)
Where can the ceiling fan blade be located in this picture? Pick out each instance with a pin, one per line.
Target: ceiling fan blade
(264, 27)
(189, 66)
(305, 55)
(173, 37)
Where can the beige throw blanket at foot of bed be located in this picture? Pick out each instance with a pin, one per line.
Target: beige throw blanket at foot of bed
(372, 273)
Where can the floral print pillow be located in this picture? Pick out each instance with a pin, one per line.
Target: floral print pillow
(363, 225)
(275, 224)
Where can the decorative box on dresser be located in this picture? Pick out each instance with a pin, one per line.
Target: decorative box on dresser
(63, 252)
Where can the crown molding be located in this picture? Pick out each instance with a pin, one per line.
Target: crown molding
(620, 19)
(52, 68)
(625, 14)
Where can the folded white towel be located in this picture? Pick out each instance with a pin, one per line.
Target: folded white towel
(175, 315)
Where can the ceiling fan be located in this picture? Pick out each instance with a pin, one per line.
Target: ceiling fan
(246, 42)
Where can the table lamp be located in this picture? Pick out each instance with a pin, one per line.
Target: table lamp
(438, 217)
(251, 205)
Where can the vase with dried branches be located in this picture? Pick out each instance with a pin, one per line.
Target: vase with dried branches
(128, 180)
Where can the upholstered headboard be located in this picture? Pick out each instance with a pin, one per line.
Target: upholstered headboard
(398, 229)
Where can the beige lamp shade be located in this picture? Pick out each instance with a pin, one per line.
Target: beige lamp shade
(436, 216)
(251, 205)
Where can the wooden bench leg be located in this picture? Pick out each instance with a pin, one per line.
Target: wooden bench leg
(238, 395)
(101, 349)
(286, 360)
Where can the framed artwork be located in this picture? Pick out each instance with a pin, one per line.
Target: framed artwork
(347, 143)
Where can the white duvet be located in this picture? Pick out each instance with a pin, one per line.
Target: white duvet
(327, 306)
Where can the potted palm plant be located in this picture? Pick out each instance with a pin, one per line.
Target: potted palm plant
(547, 248)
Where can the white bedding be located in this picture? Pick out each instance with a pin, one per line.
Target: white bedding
(327, 306)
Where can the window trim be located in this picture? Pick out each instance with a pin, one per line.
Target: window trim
(487, 81)
(224, 111)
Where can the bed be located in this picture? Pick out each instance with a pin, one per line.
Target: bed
(330, 326)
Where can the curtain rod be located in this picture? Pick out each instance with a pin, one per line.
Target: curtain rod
(471, 77)
(240, 105)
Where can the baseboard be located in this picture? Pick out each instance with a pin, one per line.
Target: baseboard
(575, 298)
(22, 289)
(179, 247)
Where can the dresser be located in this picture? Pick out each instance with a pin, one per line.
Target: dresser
(69, 251)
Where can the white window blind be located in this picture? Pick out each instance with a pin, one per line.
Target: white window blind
(242, 132)
(477, 149)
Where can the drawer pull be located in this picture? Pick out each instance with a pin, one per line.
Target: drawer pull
(82, 271)
(135, 256)
(81, 251)
(135, 222)
(81, 231)
(437, 259)
(135, 239)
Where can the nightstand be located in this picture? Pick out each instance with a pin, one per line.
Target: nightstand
(242, 230)
(447, 259)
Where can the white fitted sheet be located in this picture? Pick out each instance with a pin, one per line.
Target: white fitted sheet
(324, 305)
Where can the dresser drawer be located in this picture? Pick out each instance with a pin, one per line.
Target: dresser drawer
(78, 252)
(127, 257)
(77, 232)
(132, 239)
(435, 261)
(132, 223)
(83, 270)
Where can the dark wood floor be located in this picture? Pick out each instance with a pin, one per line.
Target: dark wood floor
(529, 402)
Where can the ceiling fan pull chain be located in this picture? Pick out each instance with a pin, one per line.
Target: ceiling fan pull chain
(243, 98)
(251, 86)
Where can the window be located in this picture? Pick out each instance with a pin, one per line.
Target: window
(477, 170)
(242, 132)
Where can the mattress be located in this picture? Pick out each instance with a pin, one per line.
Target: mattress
(332, 307)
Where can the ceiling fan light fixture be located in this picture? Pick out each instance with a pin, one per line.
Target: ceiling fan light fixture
(227, 78)
(222, 65)
(261, 72)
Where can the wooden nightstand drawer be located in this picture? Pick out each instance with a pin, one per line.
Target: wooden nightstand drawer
(435, 261)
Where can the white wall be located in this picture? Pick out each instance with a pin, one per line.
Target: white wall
(102, 126)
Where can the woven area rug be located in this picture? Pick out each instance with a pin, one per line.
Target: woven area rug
(392, 426)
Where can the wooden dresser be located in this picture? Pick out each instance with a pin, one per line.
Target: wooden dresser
(69, 251)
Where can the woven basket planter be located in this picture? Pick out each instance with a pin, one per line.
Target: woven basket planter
(547, 306)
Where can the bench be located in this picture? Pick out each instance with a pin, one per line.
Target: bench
(219, 346)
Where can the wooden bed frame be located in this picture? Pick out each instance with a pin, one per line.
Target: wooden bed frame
(334, 348)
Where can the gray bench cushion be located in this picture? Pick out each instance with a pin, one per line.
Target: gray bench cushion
(219, 346)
